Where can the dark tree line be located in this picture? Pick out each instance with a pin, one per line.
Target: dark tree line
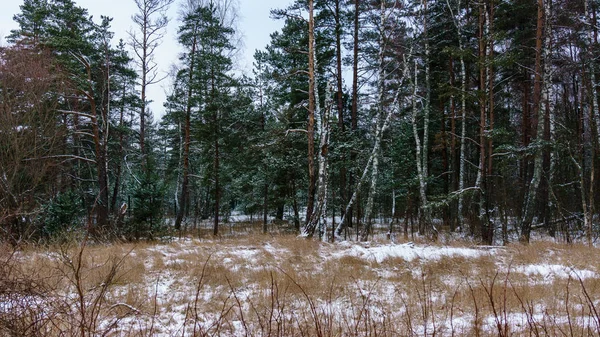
(480, 117)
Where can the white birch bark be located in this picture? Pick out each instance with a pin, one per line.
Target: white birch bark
(391, 226)
(486, 124)
(179, 165)
(589, 215)
(422, 147)
(584, 203)
(395, 107)
(324, 162)
(531, 197)
(420, 160)
(484, 81)
(319, 216)
(463, 113)
(591, 42)
(418, 148)
(378, 117)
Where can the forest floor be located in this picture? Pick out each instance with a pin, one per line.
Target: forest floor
(262, 285)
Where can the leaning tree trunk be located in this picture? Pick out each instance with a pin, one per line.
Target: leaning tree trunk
(542, 53)
(395, 107)
(380, 111)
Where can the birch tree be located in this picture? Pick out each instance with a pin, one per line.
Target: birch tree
(456, 19)
(422, 145)
(542, 65)
(319, 216)
(394, 110)
(381, 106)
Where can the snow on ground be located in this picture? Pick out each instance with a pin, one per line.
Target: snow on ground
(407, 252)
(551, 271)
(249, 256)
(174, 291)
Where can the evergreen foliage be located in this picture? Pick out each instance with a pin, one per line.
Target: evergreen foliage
(479, 117)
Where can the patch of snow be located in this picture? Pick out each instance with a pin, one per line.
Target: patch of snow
(408, 252)
(550, 271)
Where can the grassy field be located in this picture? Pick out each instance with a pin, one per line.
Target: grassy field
(258, 285)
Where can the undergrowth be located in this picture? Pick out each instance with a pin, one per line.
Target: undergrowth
(286, 286)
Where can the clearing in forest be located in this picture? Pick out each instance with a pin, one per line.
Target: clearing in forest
(288, 286)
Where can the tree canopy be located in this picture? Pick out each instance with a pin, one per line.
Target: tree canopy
(409, 117)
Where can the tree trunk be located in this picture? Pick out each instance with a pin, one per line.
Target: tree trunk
(463, 137)
(263, 122)
(426, 115)
(101, 202)
(355, 51)
(340, 97)
(489, 187)
(380, 111)
(311, 113)
(354, 112)
(216, 159)
(395, 107)
(595, 112)
(418, 148)
(454, 164)
(183, 200)
(463, 117)
(216, 174)
(486, 112)
(117, 185)
(319, 216)
(143, 112)
(152, 31)
(540, 74)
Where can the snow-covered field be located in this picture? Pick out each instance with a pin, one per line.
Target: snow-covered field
(289, 286)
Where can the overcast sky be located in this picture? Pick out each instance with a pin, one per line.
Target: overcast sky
(255, 26)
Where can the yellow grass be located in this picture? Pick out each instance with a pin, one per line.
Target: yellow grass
(288, 286)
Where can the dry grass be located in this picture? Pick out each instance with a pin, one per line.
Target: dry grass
(282, 285)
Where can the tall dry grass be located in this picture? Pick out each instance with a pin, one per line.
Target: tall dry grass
(262, 285)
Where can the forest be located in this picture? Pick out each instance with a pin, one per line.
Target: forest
(405, 117)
